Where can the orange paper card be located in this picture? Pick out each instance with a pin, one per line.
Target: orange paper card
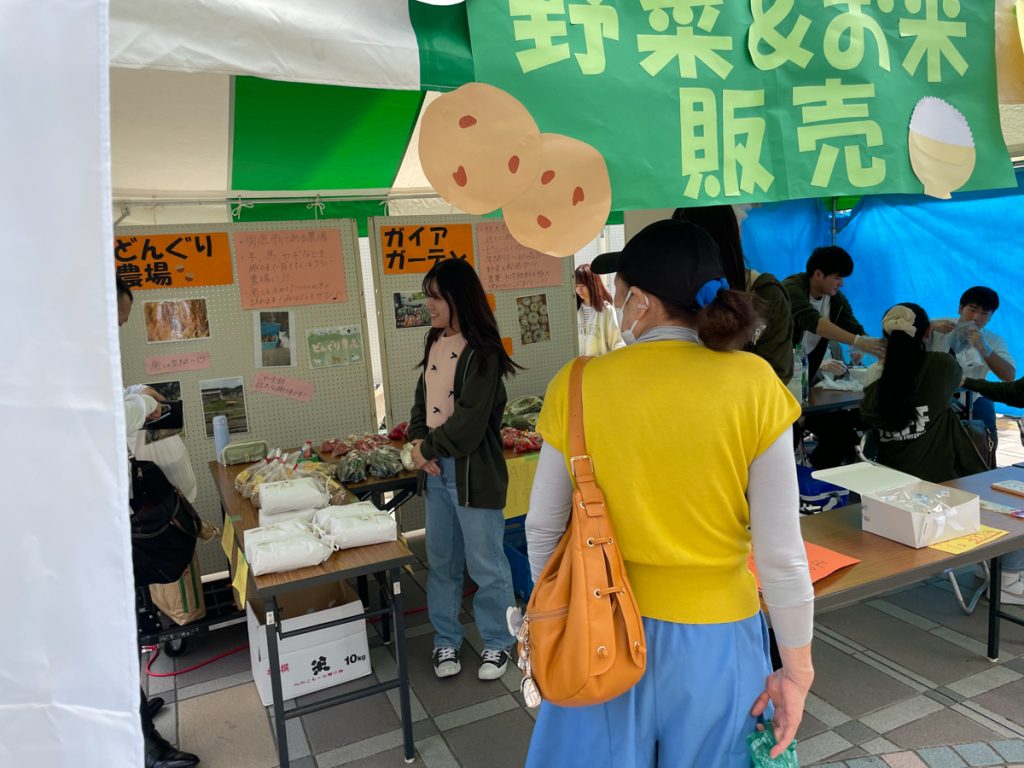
(821, 562)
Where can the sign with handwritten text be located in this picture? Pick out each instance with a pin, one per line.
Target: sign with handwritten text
(821, 562)
(173, 261)
(521, 470)
(507, 265)
(290, 267)
(283, 386)
(189, 361)
(415, 248)
(958, 546)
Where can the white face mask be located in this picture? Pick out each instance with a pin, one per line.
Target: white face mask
(627, 335)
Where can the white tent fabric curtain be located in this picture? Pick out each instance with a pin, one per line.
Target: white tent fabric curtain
(361, 43)
(69, 680)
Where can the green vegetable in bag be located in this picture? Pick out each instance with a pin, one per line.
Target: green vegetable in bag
(523, 405)
(760, 744)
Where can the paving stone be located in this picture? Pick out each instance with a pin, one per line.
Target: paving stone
(347, 723)
(978, 754)
(940, 729)
(852, 752)
(983, 682)
(903, 760)
(810, 726)
(856, 732)
(833, 672)
(941, 757)
(885, 720)
(1006, 701)
(498, 742)
(867, 762)
(879, 746)
(1010, 749)
(821, 747)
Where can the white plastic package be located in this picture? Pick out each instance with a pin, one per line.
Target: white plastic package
(291, 495)
(284, 547)
(355, 525)
(306, 515)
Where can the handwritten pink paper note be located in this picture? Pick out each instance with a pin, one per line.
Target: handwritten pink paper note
(188, 361)
(507, 265)
(290, 267)
(283, 386)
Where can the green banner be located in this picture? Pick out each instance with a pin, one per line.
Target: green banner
(701, 101)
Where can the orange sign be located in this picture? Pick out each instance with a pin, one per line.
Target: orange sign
(173, 261)
(491, 301)
(506, 342)
(413, 249)
(821, 562)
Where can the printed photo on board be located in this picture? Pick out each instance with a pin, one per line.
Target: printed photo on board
(171, 391)
(224, 397)
(533, 318)
(180, 320)
(339, 345)
(274, 346)
(411, 310)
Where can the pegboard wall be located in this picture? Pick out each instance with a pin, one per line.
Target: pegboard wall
(342, 402)
(403, 347)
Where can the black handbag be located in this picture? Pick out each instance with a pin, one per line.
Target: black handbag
(164, 526)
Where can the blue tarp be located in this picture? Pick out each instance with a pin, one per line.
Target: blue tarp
(908, 248)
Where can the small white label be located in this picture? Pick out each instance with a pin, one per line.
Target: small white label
(396, 587)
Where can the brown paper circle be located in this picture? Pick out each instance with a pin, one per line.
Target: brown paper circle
(567, 202)
(479, 147)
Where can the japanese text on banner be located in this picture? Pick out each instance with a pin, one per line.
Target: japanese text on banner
(415, 248)
(173, 261)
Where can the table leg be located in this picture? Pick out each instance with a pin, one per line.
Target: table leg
(995, 588)
(403, 663)
(273, 625)
(383, 585)
(363, 589)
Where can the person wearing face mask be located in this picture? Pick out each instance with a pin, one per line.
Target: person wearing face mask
(691, 443)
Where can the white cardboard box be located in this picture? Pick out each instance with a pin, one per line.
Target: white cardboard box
(315, 660)
(872, 481)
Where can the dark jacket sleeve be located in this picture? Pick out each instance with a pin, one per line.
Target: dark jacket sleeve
(805, 317)
(418, 416)
(842, 315)
(1009, 392)
(776, 341)
(465, 429)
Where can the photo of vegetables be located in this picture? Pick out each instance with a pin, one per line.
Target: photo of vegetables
(533, 318)
(411, 310)
(224, 397)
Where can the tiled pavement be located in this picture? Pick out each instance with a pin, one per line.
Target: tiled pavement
(902, 682)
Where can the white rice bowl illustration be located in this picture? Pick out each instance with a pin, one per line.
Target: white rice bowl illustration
(941, 147)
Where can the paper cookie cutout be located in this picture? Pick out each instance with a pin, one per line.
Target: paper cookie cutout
(479, 147)
(566, 203)
(941, 147)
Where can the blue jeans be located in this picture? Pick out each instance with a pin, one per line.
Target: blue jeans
(984, 409)
(470, 537)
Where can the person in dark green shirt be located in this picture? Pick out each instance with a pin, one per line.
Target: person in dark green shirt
(773, 339)
(909, 406)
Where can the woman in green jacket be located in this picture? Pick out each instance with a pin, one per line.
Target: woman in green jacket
(455, 429)
(773, 338)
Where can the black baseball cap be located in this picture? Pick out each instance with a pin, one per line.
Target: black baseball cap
(671, 259)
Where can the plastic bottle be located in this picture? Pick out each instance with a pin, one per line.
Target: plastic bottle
(798, 382)
(220, 435)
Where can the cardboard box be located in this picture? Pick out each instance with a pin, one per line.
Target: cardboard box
(873, 481)
(316, 660)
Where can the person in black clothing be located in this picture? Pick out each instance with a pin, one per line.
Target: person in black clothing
(157, 751)
(910, 405)
(822, 314)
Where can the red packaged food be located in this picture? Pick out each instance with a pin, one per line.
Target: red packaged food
(400, 432)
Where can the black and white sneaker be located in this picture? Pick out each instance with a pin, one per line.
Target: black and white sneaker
(492, 664)
(446, 662)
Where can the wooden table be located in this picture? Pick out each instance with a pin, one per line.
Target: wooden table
(384, 561)
(886, 565)
(822, 400)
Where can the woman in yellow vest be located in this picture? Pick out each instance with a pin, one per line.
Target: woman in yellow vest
(692, 449)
